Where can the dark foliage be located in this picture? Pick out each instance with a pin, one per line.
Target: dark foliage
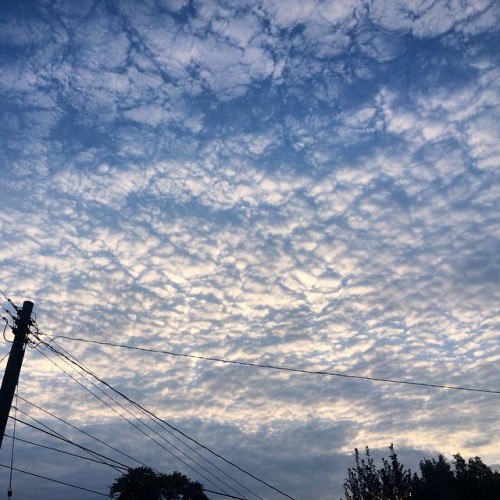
(143, 483)
(366, 482)
(437, 480)
(472, 480)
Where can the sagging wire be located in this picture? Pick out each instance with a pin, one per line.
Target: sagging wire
(32, 324)
(63, 452)
(7, 324)
(5, 328)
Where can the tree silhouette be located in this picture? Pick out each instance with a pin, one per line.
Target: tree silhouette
(366, 482)
(475, 479)
(472, 480)
(437, 480)
(143, 483)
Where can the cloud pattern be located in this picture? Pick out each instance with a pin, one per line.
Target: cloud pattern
(310, 183)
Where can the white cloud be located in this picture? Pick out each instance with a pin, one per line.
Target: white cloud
(257, 182)
(428, 19)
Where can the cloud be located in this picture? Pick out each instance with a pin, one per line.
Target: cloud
(427, 19)
(309, 185)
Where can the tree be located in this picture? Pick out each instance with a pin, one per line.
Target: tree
(475, 479)
(437, 480)
(472, 480)
(143, 483)
(365, 482)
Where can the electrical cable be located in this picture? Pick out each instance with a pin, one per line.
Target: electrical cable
(33, 322)
(9, 490)
(8, 312)
(130, 422)
(151, 415)
(160, 436)
(85, 432)
(223, 494)
(3, 357)
(162, 426)
(4, 330)
(137, 405)
(118, 466)
(57, 481)
(91, 393)
(10, 302)
(51, 448)
(284, 368)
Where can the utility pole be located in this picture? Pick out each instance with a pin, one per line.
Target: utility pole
(11, 375)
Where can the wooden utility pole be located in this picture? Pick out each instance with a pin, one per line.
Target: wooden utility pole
(11, 375)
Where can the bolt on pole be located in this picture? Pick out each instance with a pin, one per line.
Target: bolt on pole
(13, 369)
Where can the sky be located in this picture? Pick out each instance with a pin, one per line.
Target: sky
(308, 184)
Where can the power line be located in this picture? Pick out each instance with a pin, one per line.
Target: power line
(223, 494)
(55, 481)
(64, 359)
(3, 357)
(59, 436)
(51, 448)
(137, 405)
(119, 467)
(10, 302)
(83, 432)
(161, 425)
(283, 368)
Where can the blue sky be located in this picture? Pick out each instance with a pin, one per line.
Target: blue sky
(312, 184)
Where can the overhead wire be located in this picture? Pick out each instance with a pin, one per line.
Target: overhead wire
(58, 435)
(10, 302)
(8, 312)
(227, 495)
(100, 399)
(5, 328)
(57, 481)
(115, 464)
(88, 434)
(9, 491)
(137, 427)
(58, 450)
(159, 435)
(3, 357)
(233, 362)
(282, 368)
(155, 417)
(263, 366)
(163, 427)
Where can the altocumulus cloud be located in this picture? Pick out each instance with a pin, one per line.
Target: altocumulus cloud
(311, 184)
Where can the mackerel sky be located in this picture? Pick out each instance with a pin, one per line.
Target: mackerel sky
(308, 184)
